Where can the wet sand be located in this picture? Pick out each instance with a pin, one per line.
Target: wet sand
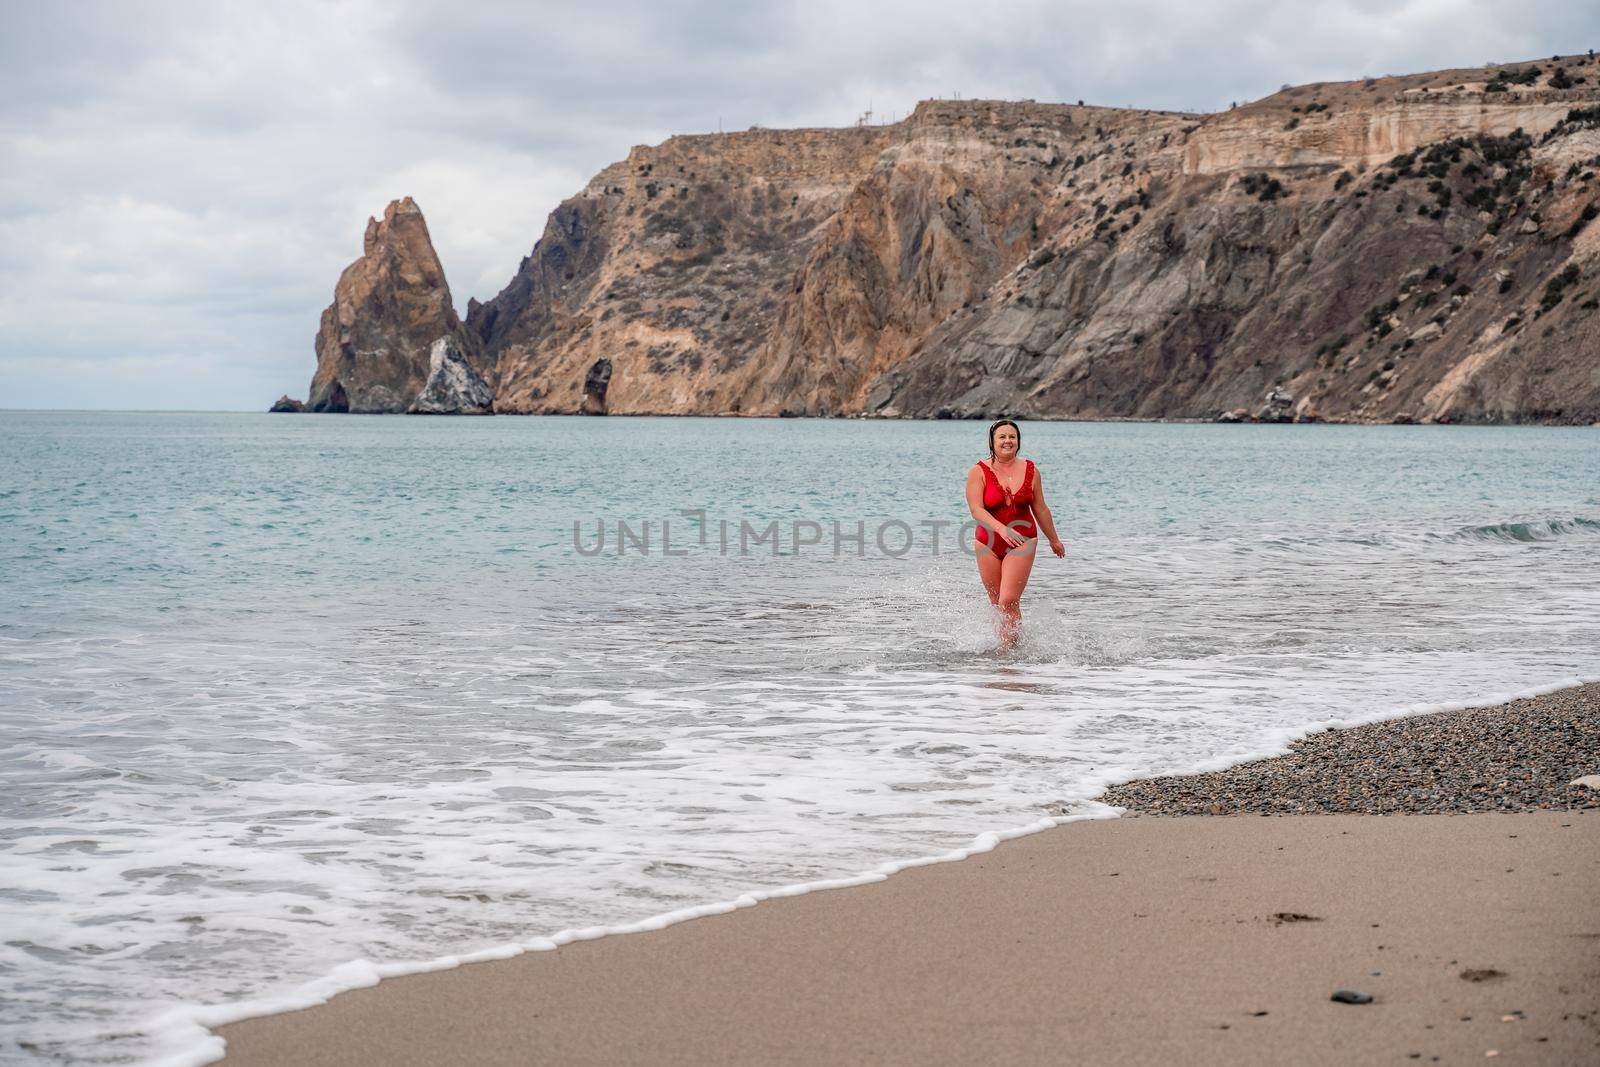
(1137, 940)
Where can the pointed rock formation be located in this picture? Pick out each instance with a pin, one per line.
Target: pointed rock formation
(379, 348)
(286, 404)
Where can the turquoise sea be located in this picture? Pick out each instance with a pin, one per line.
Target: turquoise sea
(280, 693)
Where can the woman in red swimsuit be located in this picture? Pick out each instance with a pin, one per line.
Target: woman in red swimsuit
(1006, 497)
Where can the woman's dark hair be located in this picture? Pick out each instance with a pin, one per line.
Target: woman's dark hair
(995, 426)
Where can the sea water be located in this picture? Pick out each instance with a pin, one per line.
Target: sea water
(279, 693)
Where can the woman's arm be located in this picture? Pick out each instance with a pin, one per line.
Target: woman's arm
(981, 515)
(1041, 511)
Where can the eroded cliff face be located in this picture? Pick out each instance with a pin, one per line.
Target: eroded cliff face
(1385, 250)
(391, 340)
(673, 267)
(970, 190)
(1455, 281)
(783, 272)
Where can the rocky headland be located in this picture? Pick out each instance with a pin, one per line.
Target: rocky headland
(391, 340)
(1407, 249)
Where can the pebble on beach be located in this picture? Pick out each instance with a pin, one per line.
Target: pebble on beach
(1521, 756)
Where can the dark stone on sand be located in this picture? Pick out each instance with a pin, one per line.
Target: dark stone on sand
(1351, 996)
(1487, 974)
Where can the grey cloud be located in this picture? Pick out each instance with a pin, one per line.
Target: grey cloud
(180, 183)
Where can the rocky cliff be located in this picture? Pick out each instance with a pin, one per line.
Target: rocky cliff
(391, 340)
(1415, 248)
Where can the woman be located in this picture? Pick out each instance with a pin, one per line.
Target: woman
(1006, 496)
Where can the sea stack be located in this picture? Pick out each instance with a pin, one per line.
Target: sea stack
(391, 341)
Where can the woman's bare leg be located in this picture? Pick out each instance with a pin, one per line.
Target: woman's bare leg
(989, 571)
(1014, 571)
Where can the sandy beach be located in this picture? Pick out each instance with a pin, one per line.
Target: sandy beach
(1215, 939)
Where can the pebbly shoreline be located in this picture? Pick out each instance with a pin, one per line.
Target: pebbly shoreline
(1207, 940)
(1518, 756)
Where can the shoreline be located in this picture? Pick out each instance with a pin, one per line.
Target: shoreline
(330, 1029)
(1206, 939)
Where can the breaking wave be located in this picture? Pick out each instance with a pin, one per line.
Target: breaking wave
(1525, 532)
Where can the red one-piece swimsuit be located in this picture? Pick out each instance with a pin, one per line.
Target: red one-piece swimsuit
(1014, 510)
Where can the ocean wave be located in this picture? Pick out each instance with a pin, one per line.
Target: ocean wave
(1525, 532)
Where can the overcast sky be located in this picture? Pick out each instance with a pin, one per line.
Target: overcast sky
(181, 183)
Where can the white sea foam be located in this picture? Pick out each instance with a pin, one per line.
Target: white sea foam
(231, 770)
(187, 1030)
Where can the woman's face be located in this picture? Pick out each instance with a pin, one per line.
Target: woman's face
(1006, 440)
